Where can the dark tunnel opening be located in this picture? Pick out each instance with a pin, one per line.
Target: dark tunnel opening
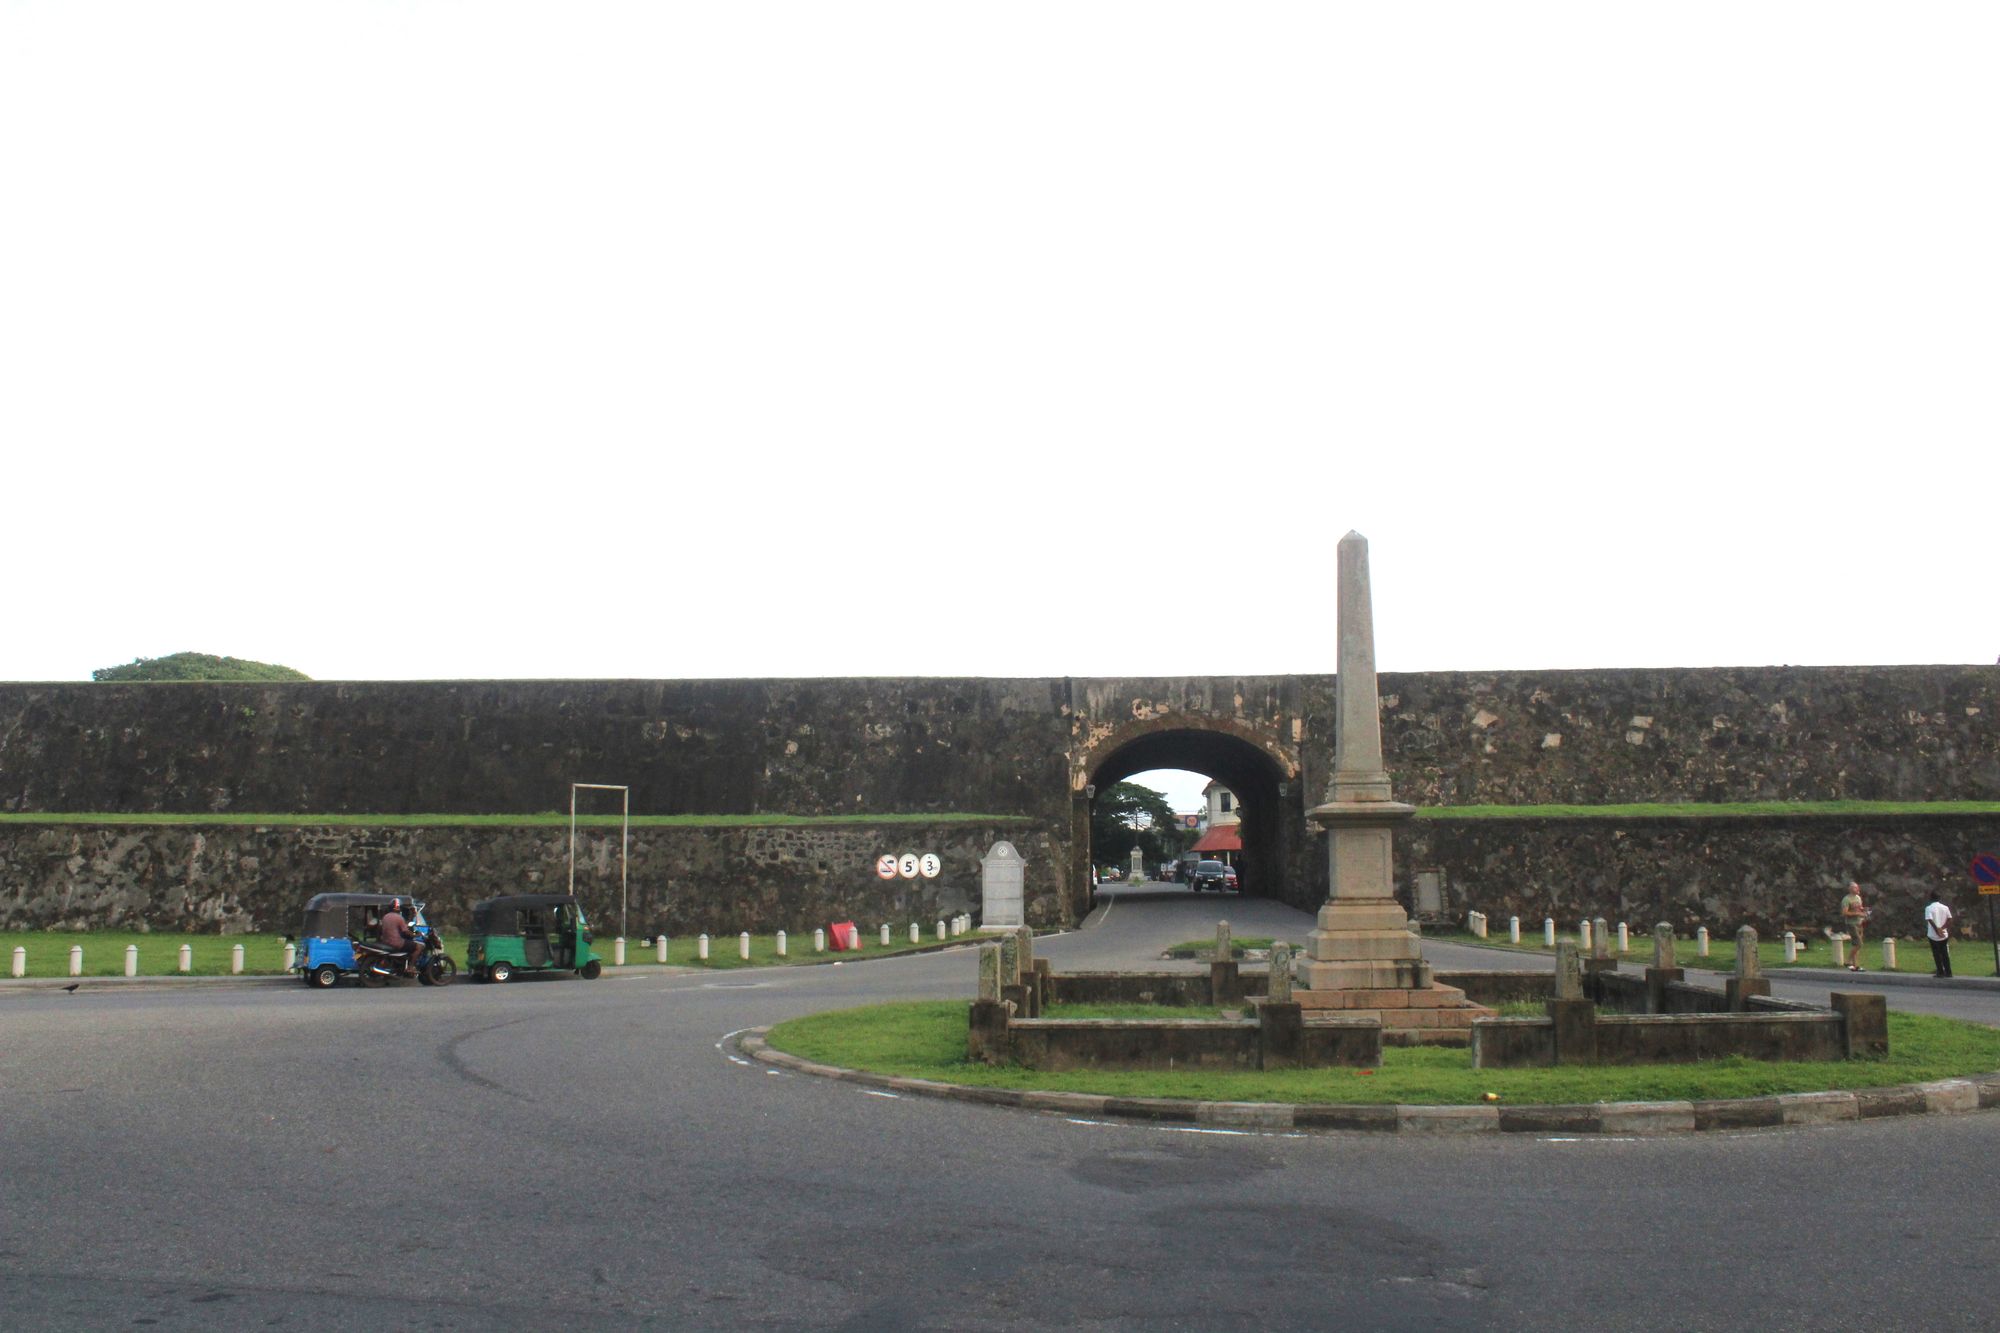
(1257, 779)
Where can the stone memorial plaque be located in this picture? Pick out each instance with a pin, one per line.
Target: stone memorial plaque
(1002, 879)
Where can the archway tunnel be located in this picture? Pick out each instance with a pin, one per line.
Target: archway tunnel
(1268, 803)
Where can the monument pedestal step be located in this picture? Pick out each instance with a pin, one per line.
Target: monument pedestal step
(1441, 1009)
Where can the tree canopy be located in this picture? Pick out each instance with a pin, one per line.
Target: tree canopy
(1127, 813)
(196, 666)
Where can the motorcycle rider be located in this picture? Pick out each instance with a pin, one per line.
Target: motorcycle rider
(397, 935)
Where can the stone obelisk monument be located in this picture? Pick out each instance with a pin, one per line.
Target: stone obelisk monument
(1362, 940)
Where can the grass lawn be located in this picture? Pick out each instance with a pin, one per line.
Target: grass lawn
(926, 1039)
(264, 954)
(1913, 956)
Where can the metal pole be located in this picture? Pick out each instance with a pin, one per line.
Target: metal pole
(1990, 933)
(624, 858)
(572, 840)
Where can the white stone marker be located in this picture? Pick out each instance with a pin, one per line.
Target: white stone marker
(236, 960)
(20, 961)
(743, 946)
(916, 933)
(291, 956)
(131, 960)
(943, 930)
(1840, 953)
(1513, 930)
(1791, 947)
(819, 940)
(885, 934)
(76, 960)
(1549, 931)
(187, 958)
(1583, 933)
(660, 943)
(1002, 881)
(1624, 939)
(781, 945)
(618, 952)
(701, 948)
(1888, 955)
(1701, 941)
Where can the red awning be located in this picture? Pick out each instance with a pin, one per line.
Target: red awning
(1221, 838)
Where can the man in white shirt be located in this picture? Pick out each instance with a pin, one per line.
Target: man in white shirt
(1937, 926)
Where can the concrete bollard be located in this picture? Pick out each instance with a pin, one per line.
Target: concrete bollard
(819, 941)
(291, 956)
(235, 960)
(885, 934)
(1549, 931)
(1701, 941)
(76, 960)
(20, 961)
(618, 952)
(779, 944)
(1791, 947)
(1513, 930)
(1888, 955)
(1840, 953)
(187, 958)
(1624, 939)
(1583, 933)
(131, 960)
(743, 946)
(661, 945)
(701, 948)
(916, 933)
(943, 930)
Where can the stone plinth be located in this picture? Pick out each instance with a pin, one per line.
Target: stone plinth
(1427, 1012)
(1361, 938)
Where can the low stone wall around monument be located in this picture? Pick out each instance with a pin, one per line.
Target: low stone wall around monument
(684, 880)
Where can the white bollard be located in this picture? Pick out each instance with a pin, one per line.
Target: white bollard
(1791, 947)
(1624, 939)
(187, 958)
(916, 933)
(819, 940)
(291, 956)
(743, 946)
(1701, 941)
(1583, 934)
(20, 961)
(701, 948)
(1513, 930)
(131, 960)
(660, 944)
(76, 960)
(618, 952)
(885, 934)
(1549, 931)
(1888, 955)
(1840, 953)
(236, 960)
(781, 944)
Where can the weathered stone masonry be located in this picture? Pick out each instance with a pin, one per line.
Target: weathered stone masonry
(1019, 748)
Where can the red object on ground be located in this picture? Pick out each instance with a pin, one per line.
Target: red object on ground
(844, 936)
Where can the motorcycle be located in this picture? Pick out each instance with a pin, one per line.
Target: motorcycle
(379, 965)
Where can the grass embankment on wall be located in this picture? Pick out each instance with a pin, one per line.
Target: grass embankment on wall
(542, 819)
(926, 1039)
(1713, 810)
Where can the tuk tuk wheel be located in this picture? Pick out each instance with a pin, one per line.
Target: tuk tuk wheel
(499, 971)
(592, 970)
(324, 977)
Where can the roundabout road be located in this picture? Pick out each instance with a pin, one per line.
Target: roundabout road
(561, 1151)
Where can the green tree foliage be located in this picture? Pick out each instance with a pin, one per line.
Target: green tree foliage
(196, 666)
(1127, 813)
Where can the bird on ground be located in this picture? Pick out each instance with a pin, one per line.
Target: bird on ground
(71, 988)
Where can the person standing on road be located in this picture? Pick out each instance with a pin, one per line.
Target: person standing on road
(1937, 926)
(1854, 913)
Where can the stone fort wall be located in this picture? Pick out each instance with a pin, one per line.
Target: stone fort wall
(1015, 748)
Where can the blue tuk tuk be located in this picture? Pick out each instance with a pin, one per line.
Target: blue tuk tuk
(335, 923)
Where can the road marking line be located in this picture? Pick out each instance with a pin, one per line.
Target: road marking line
(892, 1096)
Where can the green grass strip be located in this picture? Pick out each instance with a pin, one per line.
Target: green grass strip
(926, 1039)
(1711, 810)
(544, 819)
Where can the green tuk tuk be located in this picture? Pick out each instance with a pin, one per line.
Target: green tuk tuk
(530, 932)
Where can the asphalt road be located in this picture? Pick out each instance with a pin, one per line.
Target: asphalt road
(587, 1153)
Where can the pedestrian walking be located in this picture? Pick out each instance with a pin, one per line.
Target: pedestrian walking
(1854, 914)
(1937, 928)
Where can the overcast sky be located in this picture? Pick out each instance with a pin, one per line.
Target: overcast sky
(457, 340)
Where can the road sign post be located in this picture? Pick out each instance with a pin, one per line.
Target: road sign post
(1986, 874)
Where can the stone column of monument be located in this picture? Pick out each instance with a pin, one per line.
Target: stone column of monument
(1362, 938)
